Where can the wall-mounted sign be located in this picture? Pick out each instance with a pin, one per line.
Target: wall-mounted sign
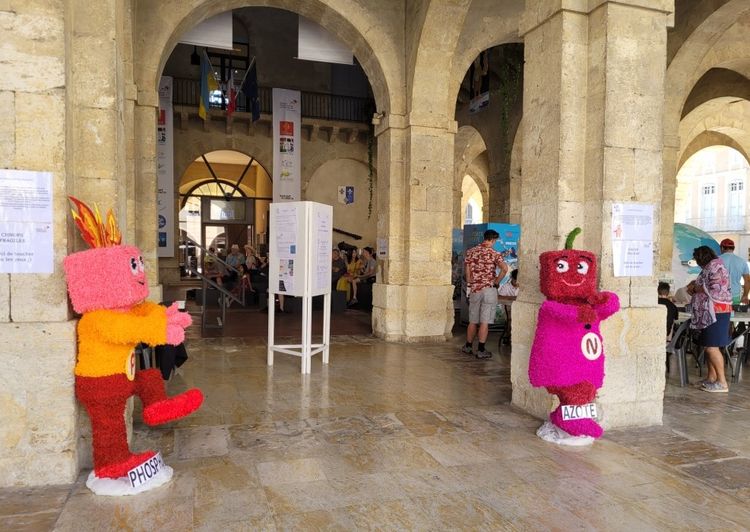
(26, 222)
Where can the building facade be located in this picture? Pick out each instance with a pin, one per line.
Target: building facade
(614, 97)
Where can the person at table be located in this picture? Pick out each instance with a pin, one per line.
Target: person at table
(663, 290)
(681, 297)
(506, 295)
(738, 271)
(711, 307)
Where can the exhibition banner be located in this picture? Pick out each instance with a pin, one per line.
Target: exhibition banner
(287, 184)
(165, 171)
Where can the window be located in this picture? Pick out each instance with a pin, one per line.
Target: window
(708, 207)
(469, 218)
(736, 204)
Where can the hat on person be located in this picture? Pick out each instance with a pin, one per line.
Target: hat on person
(727, 243)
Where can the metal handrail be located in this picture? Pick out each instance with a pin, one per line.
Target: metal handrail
(206, 282)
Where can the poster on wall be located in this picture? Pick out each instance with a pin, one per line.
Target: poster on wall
(346, 194)
(26, 222)
(165, 171)
(632, 239)
(286, 145)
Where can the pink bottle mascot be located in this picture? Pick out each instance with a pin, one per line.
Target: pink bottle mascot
(567, 356)
(108, 287)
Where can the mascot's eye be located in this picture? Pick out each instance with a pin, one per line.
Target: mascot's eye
(133, 266)
(583, 267)
(141, 266)
(562, 266)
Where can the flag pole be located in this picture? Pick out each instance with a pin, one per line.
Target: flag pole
(247, 71)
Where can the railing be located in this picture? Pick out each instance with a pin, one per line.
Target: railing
(314, 104)
(226, 295)
(719, 223)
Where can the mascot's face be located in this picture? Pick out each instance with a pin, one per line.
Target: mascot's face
(567, 274)
(106, 278)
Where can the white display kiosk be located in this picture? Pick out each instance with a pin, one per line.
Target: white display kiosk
(299, 255)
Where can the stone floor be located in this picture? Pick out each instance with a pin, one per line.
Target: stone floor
(409, 437)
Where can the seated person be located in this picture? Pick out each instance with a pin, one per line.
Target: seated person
(366, 273)
(663, 290)
(681, 297)
(212, 267)
(338, 268)
(506, 294)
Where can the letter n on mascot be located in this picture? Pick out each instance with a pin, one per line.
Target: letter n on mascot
(108, 287)
(567, 356)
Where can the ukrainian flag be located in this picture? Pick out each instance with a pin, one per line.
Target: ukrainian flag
(208, 84)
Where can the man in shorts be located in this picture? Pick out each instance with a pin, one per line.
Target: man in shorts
(484, 268)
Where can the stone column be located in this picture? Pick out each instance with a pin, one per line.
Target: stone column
(593, 103)
(669, 190)
(412, 299)
(37, 403)
(146, 109)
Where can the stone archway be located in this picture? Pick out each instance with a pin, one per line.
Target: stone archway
(724, 121)
(700, 52)
(158, 26)
(468, 147)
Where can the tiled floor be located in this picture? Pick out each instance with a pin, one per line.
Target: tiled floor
(411, 437)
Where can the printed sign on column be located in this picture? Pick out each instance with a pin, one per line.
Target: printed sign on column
(26, 222)
(286, 145)
(165, 171)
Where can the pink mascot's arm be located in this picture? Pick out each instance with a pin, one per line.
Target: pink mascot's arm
(177, 322)
(559, 311)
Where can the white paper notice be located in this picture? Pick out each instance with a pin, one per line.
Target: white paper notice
(286, 275)
(26, 222)
(324, 246)
(286, 232)
(632, 239)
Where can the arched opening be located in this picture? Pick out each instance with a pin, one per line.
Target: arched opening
(224, 198)
(712, 192)
(472, 203)
(216, 207)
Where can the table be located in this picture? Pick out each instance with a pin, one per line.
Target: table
(677, 347)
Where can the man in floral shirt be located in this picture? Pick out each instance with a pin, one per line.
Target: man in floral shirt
(484, 268)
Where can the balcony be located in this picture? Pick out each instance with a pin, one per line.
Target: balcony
(186, 92)
(719, 223)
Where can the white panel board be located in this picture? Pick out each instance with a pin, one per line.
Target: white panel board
(215, 32)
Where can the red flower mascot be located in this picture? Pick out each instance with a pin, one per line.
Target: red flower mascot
(567, 356)
(108, 286)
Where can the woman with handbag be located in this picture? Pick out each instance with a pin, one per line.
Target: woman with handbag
(711, 304)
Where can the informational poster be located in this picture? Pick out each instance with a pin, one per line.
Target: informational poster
(286, 145)
(165, 171)
(26, 222)
(286, 245)
(323, 231)
(382, 250)
(632, 239)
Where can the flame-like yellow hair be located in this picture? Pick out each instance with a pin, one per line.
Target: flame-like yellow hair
(96, 232)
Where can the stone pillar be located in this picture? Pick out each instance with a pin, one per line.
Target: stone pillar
(412, 299)
(669, 190)
(593, 103)
(37, 404)
(144, 221)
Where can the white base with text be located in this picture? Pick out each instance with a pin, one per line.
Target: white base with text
(149, 475)
(573, 412)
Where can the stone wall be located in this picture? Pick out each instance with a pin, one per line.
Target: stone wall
(37, 407)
